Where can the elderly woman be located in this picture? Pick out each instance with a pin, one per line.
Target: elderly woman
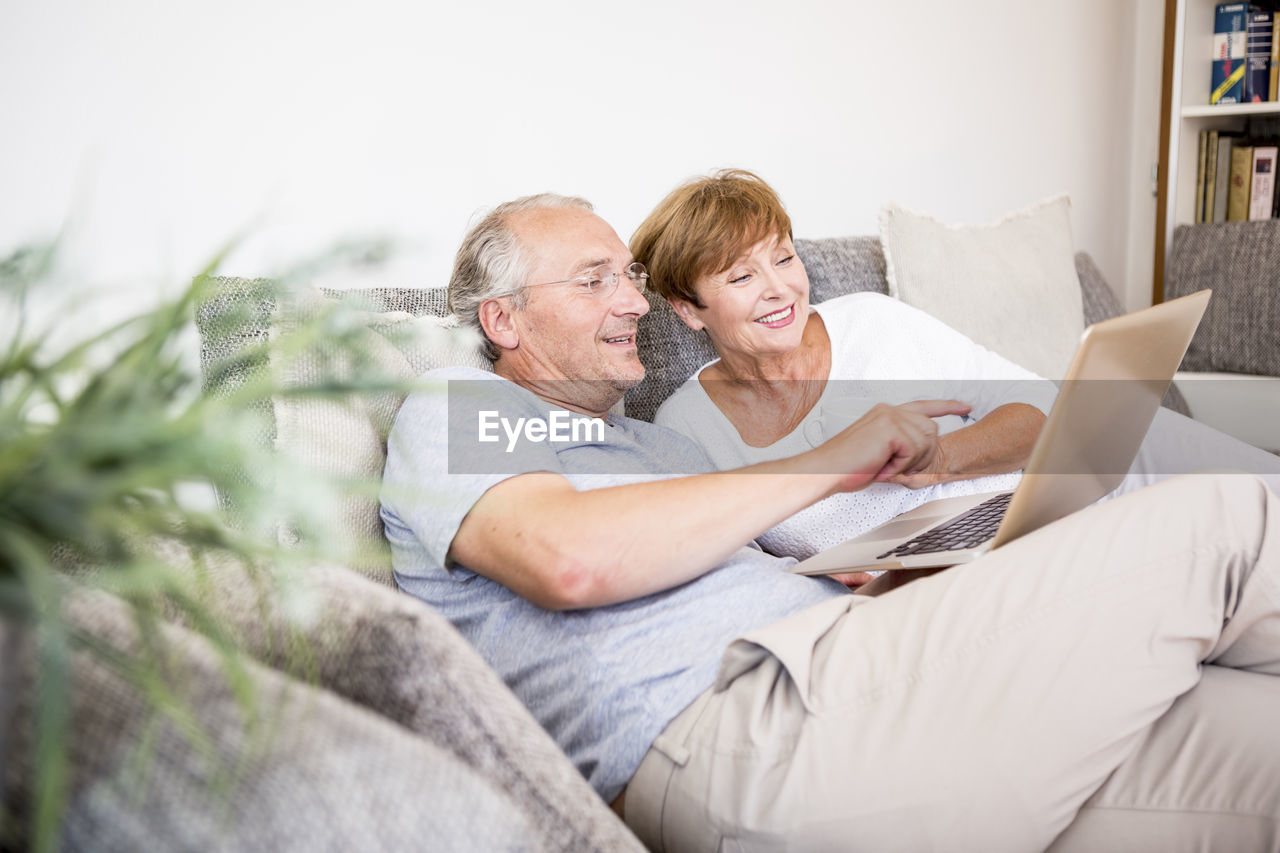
(791, 374)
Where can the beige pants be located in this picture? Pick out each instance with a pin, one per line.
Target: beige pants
(1052, 693)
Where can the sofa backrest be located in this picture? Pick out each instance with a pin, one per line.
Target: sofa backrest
(326, 440)
(1240, 261)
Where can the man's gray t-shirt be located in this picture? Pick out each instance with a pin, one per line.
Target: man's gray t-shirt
(604, 681)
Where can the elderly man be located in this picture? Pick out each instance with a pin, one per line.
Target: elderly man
(1108, 681)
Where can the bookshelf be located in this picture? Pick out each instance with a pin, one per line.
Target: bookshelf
(1185, 112)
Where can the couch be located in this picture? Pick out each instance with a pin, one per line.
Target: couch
(389, 731)
(1231, 375)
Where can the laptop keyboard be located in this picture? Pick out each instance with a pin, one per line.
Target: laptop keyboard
(964, 531)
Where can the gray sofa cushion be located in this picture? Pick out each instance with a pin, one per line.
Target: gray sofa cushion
(334, 445)
(392, 654)
(670, 352)
(1240, 332)
(304, 770)
(840, 265)
(1099, 300)
(235, 317)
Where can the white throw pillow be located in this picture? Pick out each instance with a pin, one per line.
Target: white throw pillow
(1011, 285)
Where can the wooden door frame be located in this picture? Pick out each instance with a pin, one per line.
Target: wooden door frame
(1163, 165)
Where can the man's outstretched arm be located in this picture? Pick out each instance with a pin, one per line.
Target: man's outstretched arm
(564, 549)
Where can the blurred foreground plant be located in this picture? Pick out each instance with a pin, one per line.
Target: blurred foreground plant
(103, 442)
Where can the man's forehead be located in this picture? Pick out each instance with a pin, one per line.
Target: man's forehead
(569, 239)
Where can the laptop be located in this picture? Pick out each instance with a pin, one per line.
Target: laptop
(1115, 384)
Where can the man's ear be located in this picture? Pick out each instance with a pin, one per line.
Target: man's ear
(498, 324)
(684, 309)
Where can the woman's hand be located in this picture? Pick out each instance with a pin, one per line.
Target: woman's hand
(886, 442)
(999, 443)
(938, 470)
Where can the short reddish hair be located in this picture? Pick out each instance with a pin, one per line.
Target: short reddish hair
(702, 226)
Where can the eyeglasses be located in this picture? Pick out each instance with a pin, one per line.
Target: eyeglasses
(603, 281)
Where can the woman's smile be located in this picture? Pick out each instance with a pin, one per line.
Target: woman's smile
(779, 319)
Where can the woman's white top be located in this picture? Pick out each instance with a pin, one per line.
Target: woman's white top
(882, 351)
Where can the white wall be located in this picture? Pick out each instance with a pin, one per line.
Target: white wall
(163, 128)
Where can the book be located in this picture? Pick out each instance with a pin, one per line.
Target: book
(1263, 186)
(1264, 127)
(1238, 188)
(1257, 56)
(1229, 32)
(1273, 86)
(1200, 158)
(1226, 140)
(1210, 175)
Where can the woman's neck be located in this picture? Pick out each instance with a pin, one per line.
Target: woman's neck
(765, 399)
(808, 361)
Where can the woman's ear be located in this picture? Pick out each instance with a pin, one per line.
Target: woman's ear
(685, 310)
(498, 323)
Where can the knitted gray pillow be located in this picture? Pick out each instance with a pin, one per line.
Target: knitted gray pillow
(840, 265)
(334, 446)
(315, 772)
(1099, 300)
(670, 352)
(394, 655)
(235, 317)
(1240, 332)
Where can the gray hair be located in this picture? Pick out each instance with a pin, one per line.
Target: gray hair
(492, 263)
